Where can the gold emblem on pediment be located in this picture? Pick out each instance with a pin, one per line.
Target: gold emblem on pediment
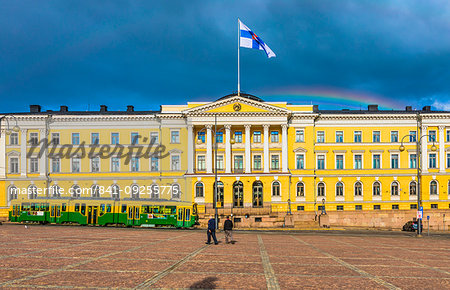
(237, 107)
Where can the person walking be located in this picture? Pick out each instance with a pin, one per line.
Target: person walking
(211, 231)
(228, 228)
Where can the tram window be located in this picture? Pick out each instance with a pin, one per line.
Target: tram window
(64, 207)
(33, 206)
(155, 209)
(124, 208)
(102, 208)
(180, 214)
(77, 207)
(108, 208)
(130, 212)
(136, 213)
(171, 210)
(188, 214)
(83, 209)
(47, 206)
(145, 209)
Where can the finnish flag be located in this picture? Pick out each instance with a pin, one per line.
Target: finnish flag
(250, 40)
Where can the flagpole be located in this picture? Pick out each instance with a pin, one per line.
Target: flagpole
(239, 73)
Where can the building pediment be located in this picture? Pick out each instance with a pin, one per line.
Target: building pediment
(300, 150)
(236, 106)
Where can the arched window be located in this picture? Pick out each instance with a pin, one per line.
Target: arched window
(75, 191)
(321, 189)
(134, 191)
(394, 188)
(95, 191)
(257, 194)
(276, 188)
(115, 192)
(339, 189)
(433, 187)
(219, 193)
(412, 188)
(55, 191)
(32, 191)
(300, 189)
(12, 192)
(358, 188)
(238, 194)
(199, 190)
(376, 188)
(154, 191)
(176, 191)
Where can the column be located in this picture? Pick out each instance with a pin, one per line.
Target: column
(284, 148)
(2, 152)
(43, 154)
(248, 156)
(23, 152)
(228, 148)
(209, 149)
(424, 148)
(441, 149)
(190, 149)
(266, 149)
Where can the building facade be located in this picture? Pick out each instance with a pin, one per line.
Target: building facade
(269, 157)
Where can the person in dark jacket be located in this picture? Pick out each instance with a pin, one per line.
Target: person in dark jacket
(228, 228)
(212, 231)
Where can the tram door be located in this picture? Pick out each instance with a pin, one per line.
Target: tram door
(92, 215)
(180, 216)
(133, 216)
(58, 214)
(52, 213)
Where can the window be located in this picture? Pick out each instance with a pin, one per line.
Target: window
(56, 165)
(34, 165)
(395, 206)
(412, 188)
(300, 136)
(75, 191)
(75, 138)
(219, 137)
(76, 164)
(300, 161)
(220, 162)
(432, 136)
(339, 189)
(394, 136)
(14, 165)
(201, 162)
(413, 161)
(95, 190)
(257, 162)
(339, 207)
(432, 160)
(55, 138)
(12, 192)
(376, 161)
(134, 138)
(114, 138)
(115, 164)
(394, 161)
(176, 191)
(134, 164)
(276, 188)
(238, 194)
(358, 207)
(448, 136)
(321, 189)
(413, 206)
(115, 192)
(32, 192)
(412, 136)
(358, 188)
(55, 191)
(434, 206)
(34, 138)
(199, 189)
(433, 187)
(394, 188)
(358, 161)
(300, 207)
(376, 188)
(154, 137)
(238, 136)
(300, 189)
(357, 136)
(175, 162)
(14, 139)
(175, 136)
(238, 163)
(154, 164)
(257, 137)
(275, 162)
(376, 207)
(95, 138)
(201, 136)
(320, 161)
(274, 137)
(339, 161)
(257, 192)
(448, 160)
(219, 193)
(135, 191)
(320, 136)
(376, 137)
(95, 164)
(339, 136)
(154, 191)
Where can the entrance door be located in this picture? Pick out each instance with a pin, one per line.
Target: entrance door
(92, 215)
(133, 216)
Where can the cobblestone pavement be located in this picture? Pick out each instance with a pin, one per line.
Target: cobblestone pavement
(80, 257)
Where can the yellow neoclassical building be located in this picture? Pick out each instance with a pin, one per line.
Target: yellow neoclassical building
(270, 157)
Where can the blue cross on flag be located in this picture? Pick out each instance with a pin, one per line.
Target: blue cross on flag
(250, 40)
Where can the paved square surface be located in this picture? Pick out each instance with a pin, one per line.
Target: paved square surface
(75, 256)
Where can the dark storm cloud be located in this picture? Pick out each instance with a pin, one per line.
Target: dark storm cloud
(146, 53)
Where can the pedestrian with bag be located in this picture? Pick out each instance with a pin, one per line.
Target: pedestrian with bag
(228, 228)
(211, 231)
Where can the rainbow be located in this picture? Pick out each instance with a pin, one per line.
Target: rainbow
(330, 98)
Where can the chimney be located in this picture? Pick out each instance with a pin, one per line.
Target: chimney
(315, 108)
(408, 109)
(130, 108)
(426, 109)
(103, 108)
(64, 109)
(372, 108)
(35, 108)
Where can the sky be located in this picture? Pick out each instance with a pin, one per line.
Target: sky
(336, 54)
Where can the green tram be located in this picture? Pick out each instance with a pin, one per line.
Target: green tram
(104, 212)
